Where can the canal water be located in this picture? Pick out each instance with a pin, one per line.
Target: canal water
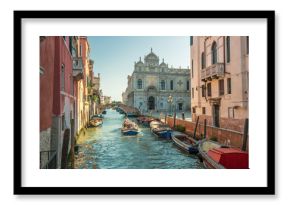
(105, 147)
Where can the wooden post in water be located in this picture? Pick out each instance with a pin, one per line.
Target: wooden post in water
(205, 128)
(174, 119)
(245, 136)
(165, 119)
(194, 134)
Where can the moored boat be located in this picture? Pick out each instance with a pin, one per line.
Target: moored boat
(184, 142)
(145, 121)
(104, 112)
(217, 156)
(160, 129)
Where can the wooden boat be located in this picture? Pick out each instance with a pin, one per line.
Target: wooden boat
(160, 129)
(96, 122)
(163, 132)
(217, 156)
(145, 121)
(184, 142)
(129, 128)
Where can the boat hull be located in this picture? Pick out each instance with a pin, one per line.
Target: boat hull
(130, 132)
(163, 134)
(191, 149)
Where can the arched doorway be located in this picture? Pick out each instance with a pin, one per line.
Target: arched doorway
(151, 103)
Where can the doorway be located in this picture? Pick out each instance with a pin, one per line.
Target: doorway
(180, 106)
(151, 103)
(216, 115)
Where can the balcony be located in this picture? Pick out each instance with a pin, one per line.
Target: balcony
(78, 68)
(214, 71)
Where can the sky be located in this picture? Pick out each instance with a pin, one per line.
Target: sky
(114, 57)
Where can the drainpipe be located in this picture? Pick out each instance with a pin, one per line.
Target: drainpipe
(224, 54)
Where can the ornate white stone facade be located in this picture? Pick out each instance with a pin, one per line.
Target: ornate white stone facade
(152, 83)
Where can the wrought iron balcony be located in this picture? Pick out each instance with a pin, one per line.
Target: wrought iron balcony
(213, 72)
(78, 68)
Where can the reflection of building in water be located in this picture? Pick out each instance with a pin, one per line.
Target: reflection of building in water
(152, 83)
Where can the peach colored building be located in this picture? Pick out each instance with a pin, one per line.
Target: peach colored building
(220, 80)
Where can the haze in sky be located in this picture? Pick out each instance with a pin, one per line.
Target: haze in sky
(114, 57)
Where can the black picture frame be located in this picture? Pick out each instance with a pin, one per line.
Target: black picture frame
(268, 190)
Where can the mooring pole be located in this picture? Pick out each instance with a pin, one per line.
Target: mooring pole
(245, 136)
(194, 134)
(174, 119)
(205, 128)
(165, 119)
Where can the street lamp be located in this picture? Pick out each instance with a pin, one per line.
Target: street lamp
(170, 100)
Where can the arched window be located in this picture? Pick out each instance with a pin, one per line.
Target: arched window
(228, 49)
(202, 60)
(213, 53)
(139, 84)
(171, 85)
(162, 85)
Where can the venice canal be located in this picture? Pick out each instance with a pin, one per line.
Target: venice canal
(105, 147)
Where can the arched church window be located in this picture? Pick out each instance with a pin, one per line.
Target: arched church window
(171, 85)
(139, 84)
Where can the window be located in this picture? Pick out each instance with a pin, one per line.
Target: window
(247, 44)
(203, 91)
(161, 105)
(81, 50)
(192, 92)
(191, 40)
(231, 113)
(193, 110)
(202, 60)
(228, 49)
(229, 86)
(70, 44)
(139, 84)
(203, 110)
(213, 53)
(209, 89)
(62, 80)
(187, 85)
(192, 68)
(171, 85)
(221, 87)
(162, 85)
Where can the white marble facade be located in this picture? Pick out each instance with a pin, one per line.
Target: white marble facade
(152, 83)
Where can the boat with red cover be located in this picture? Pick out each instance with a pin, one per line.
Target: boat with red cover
(217, 156)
